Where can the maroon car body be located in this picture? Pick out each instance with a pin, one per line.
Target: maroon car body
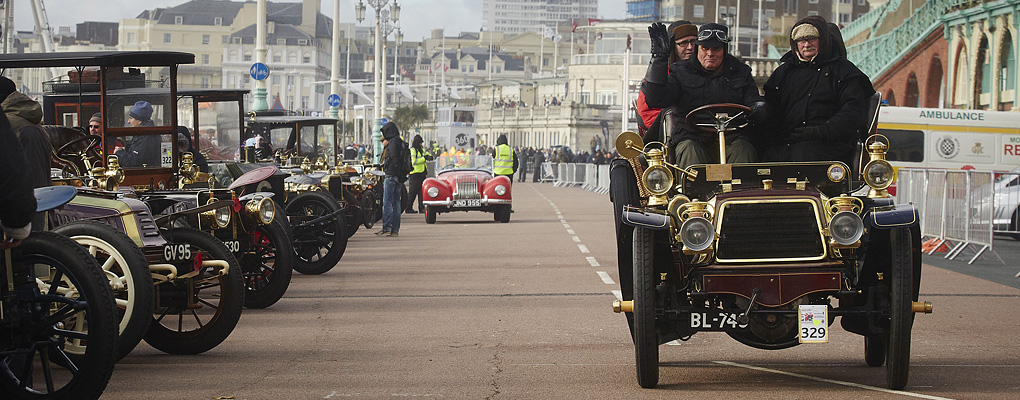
(466, 183)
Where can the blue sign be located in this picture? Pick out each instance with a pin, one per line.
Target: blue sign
(333, 100)
(259, 71)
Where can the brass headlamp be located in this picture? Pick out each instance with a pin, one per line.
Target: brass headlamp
(878, 173)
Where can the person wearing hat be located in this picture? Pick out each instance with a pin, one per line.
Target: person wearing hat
(141, 150)
(25, 116)
(711, 76)
(392, 163)
(417, 176)
(682, 34)
(817, 97)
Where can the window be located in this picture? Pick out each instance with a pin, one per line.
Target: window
(131, 37)
(167, 38)
(302, 42)
(205, 59)
(281, 42)
(233, 55)
(306, 81)
(845, 2)
(290, 81)
(277, 57)
(1007, 66)
(844, 18)
(306, 59)
(275, 79)
(179, 20)
(304, 101)
(790, 8)
(218, 21)
(247, 57)
(812, 13)
(812, 2)
(292, 58)
(224, 39)
(699, 11)
(205, 40)
(237, 40)
(205, 82)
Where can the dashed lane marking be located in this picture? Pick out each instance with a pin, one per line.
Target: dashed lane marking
(566, 226)
(832, 381)
(618, 294)
(592, 261)
(570, 231)
(605, 277)
(575, 239)
(583, 248)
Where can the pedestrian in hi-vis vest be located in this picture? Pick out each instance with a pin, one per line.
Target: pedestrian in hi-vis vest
(417, 175)
(504, 160)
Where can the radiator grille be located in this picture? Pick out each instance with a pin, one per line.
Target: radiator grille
(467, 188)
(755, 231)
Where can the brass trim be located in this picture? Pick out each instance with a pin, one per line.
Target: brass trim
(721, 208)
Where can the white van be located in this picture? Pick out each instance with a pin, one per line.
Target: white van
(951, 139)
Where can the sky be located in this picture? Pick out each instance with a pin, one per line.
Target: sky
(417, 17)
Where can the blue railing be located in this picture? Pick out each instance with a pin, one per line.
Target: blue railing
(875, 55)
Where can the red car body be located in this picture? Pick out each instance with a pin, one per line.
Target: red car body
(466, 183)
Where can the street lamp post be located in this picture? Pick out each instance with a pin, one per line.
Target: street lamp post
(359, 9)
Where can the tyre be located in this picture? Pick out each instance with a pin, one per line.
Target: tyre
(1014, 224)
(34, 365)
(195, 314)
(502, 213)
(874, 351)
(369, 205)
(267, 264)
(430, 215)
(646, 340)
(318, 242)
(352, 215)
(128, 273)
(901, 316)
(623, 191)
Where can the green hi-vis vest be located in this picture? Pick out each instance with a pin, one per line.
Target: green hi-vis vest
(504, 162)
(417, 161)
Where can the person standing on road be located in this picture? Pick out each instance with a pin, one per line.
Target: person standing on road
(417, 175)
(393, 168)
(504, 159)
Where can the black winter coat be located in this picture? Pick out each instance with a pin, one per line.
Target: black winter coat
(690, 86)
(17, 200)
(828, 91)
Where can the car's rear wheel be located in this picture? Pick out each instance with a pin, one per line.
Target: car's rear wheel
(646, 341)
(368, 207)
(430, 215)
(268, 264)
(129, 278)
(320, 236)
(874, 351)
(901, 316)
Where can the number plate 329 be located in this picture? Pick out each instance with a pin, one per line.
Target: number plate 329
(814, 323)
(177, 252)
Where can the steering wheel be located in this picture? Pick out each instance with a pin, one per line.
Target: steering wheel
(725, 117)
(65, 150)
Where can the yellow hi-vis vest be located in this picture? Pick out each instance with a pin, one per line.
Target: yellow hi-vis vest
(504, 162)
(417, 161)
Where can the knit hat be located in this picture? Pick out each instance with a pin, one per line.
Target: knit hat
(7, 87)
(713, 35)
(141, 111)
(97, 117)
(682, 29)
(804, 31)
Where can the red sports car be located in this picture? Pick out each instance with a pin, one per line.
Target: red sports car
(466, 183)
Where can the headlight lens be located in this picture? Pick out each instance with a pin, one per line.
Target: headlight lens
(223, 217)
(697, 233)
(433, 191)
(846, 228)
(500, 190)
(262, 209)
(878, 174)
(837, 173)
(657, 180)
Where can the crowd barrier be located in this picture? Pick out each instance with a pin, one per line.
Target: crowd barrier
(591, 177)
(956, 208)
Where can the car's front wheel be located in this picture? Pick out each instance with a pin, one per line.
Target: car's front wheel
(901, 315)
(430, 215)
(646, 340)
(502, 213)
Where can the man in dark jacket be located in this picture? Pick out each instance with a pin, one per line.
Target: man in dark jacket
(394, 170)
(817, 97)
(710, 76)
(17, 202)
(141, 150)
(24, 116)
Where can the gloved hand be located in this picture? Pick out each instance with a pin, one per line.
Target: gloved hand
(806, 133)
(661, 46)
(758, 113)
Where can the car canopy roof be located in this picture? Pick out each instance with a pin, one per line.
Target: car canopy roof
(96, 59)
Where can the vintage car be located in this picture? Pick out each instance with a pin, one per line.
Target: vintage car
(466, 183)
(769, 253)
(54, 298)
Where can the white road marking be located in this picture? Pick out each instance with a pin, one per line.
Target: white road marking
(566, 226)
(605, 277)
(563, 221)
(672, 343)
(592, 261)
(570, 231)
(833, 381)
(575, 239)
(618, 294)
(583, 248)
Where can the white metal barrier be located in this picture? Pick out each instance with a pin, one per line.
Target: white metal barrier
(955, 207)
(602, 185)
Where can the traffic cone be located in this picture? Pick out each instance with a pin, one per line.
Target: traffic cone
(929, 246)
